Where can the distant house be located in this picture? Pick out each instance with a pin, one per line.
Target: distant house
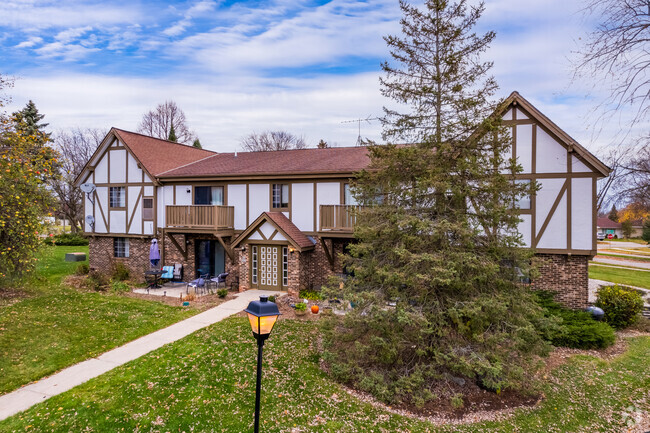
(606, 226)
(278, 220)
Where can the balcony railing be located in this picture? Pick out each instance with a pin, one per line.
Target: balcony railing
(340, 218)
(200, 217)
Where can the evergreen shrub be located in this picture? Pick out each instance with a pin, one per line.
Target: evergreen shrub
(622, 305)
(577, 329)
(222, 293)
(82, 269)
(67, 239)
(120, 272)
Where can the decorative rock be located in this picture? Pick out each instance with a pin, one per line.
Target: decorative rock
(596, 313)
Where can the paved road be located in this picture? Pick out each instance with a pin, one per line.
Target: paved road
(34, 393)
(621, 262)
(609, 245)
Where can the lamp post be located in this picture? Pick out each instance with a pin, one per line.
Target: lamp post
(262, 315)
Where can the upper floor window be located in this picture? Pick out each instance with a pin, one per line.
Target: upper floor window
(348, 197)
(208, 195)
(280, 199)
(117, 197)
(523, 202)
(147, 208)
(120, 247)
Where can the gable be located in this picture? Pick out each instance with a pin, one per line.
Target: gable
(541, 146)
(274, 227)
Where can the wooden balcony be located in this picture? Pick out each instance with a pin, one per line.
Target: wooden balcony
(200, 217)
(337, 219)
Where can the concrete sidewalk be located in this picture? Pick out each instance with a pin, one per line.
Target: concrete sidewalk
(34, 393)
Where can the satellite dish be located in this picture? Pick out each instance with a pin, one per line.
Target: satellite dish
(87, 187)
(90, 220)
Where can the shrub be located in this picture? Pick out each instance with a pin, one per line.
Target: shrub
(120, 272)
(577, 329)
(69, 239)
(82, 269)
(222, 293)
(96, 281)
(301, 306)
(622, 305)
(312, 295)
(120, 286)
(271, 298)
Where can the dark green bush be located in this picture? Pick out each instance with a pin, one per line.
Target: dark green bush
(312, 295)
(222, 293)
(120, 272)
(68, 239)
(96, 281)
(82, 269)
(271, 298)
(622, 305)
(577, 329)
(120, 286)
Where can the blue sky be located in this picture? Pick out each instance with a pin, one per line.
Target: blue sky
(236, 67)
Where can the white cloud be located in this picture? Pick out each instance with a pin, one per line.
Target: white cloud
(69, 35)
(194, 11)
(30, 42)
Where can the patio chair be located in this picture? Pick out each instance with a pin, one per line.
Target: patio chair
(220, 279)
(168, 273)
(198, 284)
(178, 272)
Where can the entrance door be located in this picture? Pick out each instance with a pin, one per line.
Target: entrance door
(268, 267)
(210, 258)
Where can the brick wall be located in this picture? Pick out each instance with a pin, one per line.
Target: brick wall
(172, 255)
(320, 268)
(101, 256)
(566, 275)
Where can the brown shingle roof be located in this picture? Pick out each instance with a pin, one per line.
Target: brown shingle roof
(302, 161)
(285, 224)
(158, 156)
(606, 223)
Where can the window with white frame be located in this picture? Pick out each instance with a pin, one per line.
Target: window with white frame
(285, 266)
(280, 199)
(147, 208)
(523, 202)
(254, 264)
(117, 197)
(348, 197)
(120, 247)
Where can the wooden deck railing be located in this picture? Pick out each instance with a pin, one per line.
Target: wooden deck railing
(337, 218)
(200, 217)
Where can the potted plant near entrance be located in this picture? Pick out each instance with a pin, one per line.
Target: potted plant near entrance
(301, 309)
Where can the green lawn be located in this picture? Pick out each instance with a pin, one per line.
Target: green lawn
(635, 240)
(620, 276)
(206, 383)
(52, 327)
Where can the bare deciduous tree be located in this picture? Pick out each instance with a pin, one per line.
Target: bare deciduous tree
(637, 187)
(272, 140)
(76, 148)
(158, 123)
(617, 53)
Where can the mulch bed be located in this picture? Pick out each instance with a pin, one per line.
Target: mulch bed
(9, 296)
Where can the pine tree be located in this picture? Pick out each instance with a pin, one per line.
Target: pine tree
(172, 134)
(437, 238)
(322, 144)
(645, 235)
(27, 123)
(613, 214)
(197, 144)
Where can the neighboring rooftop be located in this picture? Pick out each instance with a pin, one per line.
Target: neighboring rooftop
(606, 223)
(158, 156)
(301, 161)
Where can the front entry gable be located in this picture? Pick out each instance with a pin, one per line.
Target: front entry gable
(275, 227)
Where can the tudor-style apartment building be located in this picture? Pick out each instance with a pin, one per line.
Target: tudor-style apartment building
(278, 220)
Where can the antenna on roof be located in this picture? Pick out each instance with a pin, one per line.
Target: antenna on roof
(358, 121)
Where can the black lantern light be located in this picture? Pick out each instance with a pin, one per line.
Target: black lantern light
(262, 315)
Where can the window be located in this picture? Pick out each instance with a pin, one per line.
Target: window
(208, 195)
(348, 198)
(523, 202)
(117, 197)
(147, 208)
(254, 264)
(280, 196)
(285, 266)
(120, 247)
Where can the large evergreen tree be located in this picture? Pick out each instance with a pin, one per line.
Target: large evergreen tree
(172, 134)
(27, 123)
(438, 261)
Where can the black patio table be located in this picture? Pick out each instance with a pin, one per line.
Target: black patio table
(155, 274)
